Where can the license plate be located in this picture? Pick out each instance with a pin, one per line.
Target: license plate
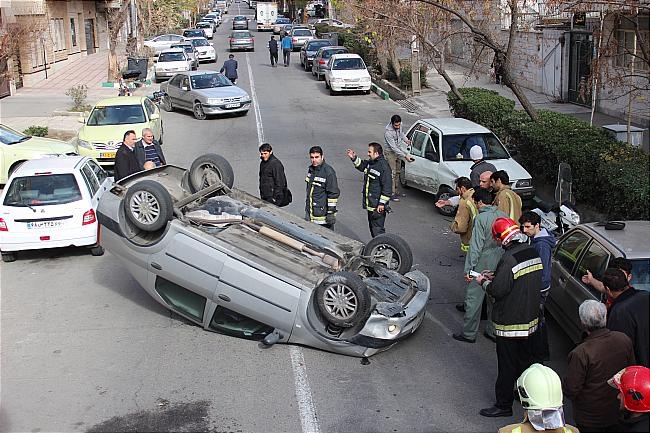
(232, 105)
(107, 155)
(44, 224)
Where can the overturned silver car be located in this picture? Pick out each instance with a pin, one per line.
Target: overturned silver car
(239, 266)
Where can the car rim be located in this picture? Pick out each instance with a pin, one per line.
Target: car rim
(387, 256)
(340, 301)
(168, 103)
(198, 111)
(209, 175)
(145, 207)
(446, 196)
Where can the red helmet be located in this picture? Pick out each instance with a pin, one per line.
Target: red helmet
(634, 384)
(504, 229)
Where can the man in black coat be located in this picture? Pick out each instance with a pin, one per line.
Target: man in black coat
(148, 152)
(229, 68)
(273, 182)
(273, 51)
(125, 161)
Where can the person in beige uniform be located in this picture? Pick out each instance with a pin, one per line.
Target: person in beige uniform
(540, 393)
(506, 199)
(465, 214)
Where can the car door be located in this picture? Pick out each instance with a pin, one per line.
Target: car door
(173, 89)
(104, 180)
(422, 171)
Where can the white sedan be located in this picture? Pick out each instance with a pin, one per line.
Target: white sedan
(163, 42)
(205, 49)
(170, 62)
(52, 203)
(345, 73)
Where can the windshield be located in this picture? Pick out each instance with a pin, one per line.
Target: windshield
(42, 190)
(301, 32)
(282, 21)
(116, 115)
(204, 25)
(171, 57)
(315, 45)
(353, 63)
(9, 136)
(239, 19)
(190, 33)
(200, 42)
(208, 81)
(456, 147)
(329, 53)
(186, 48)
(641, 274)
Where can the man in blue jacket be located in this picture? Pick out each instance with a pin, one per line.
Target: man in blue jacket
(287, 47)
(543, 242)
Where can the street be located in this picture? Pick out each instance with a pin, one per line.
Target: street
(84, 348)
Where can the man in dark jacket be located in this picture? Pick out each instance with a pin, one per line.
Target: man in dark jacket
(377, 186)
(148, 152)
(229, 68)
(515, 289)
(601, 355)
(273, 182)
(479, 166)
(629, 313)
(322, 190)
(543, 242)
(125, 161)
(273, 51)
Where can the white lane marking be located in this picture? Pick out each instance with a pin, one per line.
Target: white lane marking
(303, 392)
(438, 322)
(306, 410)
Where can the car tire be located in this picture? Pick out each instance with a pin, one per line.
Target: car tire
(205, 167)
(343, 299)
(444, 193)
(402, 176)
(391, 251)
(366, 92)
(198, 112)
(332, 91)
(97, 250)
(8, 257)
(148, 205)
(167, 103)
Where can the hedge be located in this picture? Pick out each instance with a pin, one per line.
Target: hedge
(609, 175)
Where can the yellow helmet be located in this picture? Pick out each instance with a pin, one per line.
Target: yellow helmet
(539, 387)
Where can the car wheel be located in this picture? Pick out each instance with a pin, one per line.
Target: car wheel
(97, 250)
(332, 92)
(199, 114)
(148, 205)
(167, 103)
(366, 92)
(444, 193)
(8, 257)
(390, 251)
(402, 176)
(208, 169)
(343, 299)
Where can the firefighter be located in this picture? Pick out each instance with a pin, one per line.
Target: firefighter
(322, 190)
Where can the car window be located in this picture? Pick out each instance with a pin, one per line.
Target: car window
(435, 140)
(429, 151)
(99, 172)
(456, 147)
(163, 38)
(148, 105)
(171, 57)
(417, 143)
(315, 45)
(116, 115)
(570, 248)
(595, 260)
(42, 190)
(208, 81)
(9, 136)
(175, 38)
(180, 299)
(89, 176)
(241, 35)
(232, 323)
(186, 82)
(203, 25)
(301, 32)
(200, 42)
(349, 64)
(641, 274)
(176, 81)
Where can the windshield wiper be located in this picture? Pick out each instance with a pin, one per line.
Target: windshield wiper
(21, 203)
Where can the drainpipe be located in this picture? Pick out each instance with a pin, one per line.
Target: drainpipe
(594, 89)
(562, 40)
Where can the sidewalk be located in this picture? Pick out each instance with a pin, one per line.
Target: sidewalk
(433, 101)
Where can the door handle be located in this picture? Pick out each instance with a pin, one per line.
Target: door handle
(224, 297)
(156, 266)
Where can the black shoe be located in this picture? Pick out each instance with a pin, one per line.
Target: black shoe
(494, 412)
(490, 337)
(460, 307)
(460, 337)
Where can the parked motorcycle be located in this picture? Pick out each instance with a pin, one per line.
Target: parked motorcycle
(157, 97)
(561, 216)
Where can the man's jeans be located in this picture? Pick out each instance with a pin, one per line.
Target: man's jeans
(286, 53)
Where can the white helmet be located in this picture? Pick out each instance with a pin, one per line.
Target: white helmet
(539, 387)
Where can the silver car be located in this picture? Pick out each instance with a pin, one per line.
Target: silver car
(240, 22)
(241, 40)
(233, 264)
(299, 36)
(322, 56)
(204, 93)
(308, 51)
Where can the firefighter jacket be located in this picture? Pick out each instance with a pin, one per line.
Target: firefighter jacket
(484, 253)
(322, 194)
(377, 182)
(515, 289)
(509, 202)
(464, 219)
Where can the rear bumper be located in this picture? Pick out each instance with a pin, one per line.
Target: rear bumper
(77, 237)
(242, 46)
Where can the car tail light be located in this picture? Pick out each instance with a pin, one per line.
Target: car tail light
(252, 39)
(232, 39)
(89, 217)
(3, 226)
(321, 62)
(44, 238)
(295, 40)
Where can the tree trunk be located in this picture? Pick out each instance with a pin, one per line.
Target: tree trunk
(116, 20)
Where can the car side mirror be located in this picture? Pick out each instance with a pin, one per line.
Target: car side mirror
(154, 116)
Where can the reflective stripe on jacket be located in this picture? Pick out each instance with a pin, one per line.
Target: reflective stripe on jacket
(322, 193)
(377, 183)
(509, 202)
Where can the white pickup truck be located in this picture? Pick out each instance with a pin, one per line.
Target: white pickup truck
(267, 13)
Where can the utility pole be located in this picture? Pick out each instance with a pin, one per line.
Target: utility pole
(330, 11)
(415, 66)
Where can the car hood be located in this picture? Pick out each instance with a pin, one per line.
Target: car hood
(114, 133)
(350, 73)
(44, 146)
(515, 171)
(222, 92)
(170, 65)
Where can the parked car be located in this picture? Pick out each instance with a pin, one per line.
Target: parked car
(322, 56)
(241, 40)
(103, 131)
(208, 28)
(162, 42)
(240, 22)
(170, 62)
(205, 49)
(441, 151)
(231, 263)
(193, 33)
(591, 247)
(214, 17)
(334, 23)
(300, 36)
(52, 203)
(204, 93)
(279, 23)
(308, 51)
(16, 147)
(191, 52)
(345, 73)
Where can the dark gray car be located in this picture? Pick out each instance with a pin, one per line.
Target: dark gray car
(240, 22)
(308, 51)
(322, 56)
(233, 264)
(241, 40)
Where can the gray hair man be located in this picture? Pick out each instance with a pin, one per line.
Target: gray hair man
(148, 151)
(602, 353)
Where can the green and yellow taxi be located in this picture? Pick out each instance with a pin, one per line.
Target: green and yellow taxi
(110, 118)
(16, 147)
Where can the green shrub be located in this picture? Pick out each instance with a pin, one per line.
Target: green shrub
(36, 131)
(78, 94)
(626, 192)
(406, 80)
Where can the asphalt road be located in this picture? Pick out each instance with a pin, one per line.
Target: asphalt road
(84, 348)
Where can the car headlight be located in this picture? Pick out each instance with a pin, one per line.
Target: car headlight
(84, 143)
(393, 329)
(246, 98)
(210, 50)
(524, 183)
(336, 80)
(214, 101)
(366, 79)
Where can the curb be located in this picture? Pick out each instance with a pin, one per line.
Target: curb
(70, 113)
(380, 92)
(130, 85)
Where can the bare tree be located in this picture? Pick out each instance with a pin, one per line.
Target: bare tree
(116, 19)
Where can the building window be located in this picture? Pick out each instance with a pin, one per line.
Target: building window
(56, 34)
(73, 32)
(36, 51)
(628, 43)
